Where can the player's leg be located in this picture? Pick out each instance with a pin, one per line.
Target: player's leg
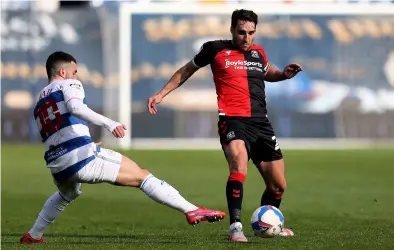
(273, 173)
(53, 207)
(233, 140)
(114, 168)
(268, 158)
(130, 174)
(237, 158)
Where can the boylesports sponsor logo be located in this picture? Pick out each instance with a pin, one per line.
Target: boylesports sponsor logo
(242, 65)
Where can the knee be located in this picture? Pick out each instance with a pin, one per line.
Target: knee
(278, 188)
(71, 194)
(138, 178)
(141, 177)
(130, 174)
(135, 179)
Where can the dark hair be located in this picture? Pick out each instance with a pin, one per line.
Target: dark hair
(244, 15)
(55, 60)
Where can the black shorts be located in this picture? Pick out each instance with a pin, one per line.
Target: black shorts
(257, 133)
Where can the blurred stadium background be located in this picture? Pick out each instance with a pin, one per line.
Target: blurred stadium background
(337, 199)
(344, 96)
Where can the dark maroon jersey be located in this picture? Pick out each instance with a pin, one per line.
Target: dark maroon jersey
(238, 77)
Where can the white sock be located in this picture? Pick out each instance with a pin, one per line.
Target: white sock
(160, 191)
(52, 209)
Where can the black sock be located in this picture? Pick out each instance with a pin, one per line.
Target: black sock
(271, 198)
(234, 192)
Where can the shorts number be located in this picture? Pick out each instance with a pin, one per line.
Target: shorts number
(49, 117)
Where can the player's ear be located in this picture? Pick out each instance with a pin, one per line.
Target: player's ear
(62, 72)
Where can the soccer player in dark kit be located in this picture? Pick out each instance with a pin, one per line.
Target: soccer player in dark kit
(240, 69)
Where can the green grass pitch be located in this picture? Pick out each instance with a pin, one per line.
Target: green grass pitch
(334, 200)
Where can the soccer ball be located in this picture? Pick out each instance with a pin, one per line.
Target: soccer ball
(267, 221)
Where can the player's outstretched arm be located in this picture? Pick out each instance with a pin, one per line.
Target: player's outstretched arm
(274, 74)
(74, 95)
(82, 111)
(179, 77)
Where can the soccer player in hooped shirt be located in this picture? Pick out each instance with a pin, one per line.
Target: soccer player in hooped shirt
(73, 158)
(240, 69)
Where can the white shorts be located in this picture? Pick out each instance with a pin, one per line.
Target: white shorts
(104, 168)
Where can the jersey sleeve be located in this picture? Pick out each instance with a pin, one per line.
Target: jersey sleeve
(205, 56)
(73, 90)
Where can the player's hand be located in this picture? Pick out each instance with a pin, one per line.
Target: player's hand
(152, 102)
(291, 70)
(119, 131)
(98, 143)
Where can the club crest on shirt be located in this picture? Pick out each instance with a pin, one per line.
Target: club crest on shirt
(255, 54)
